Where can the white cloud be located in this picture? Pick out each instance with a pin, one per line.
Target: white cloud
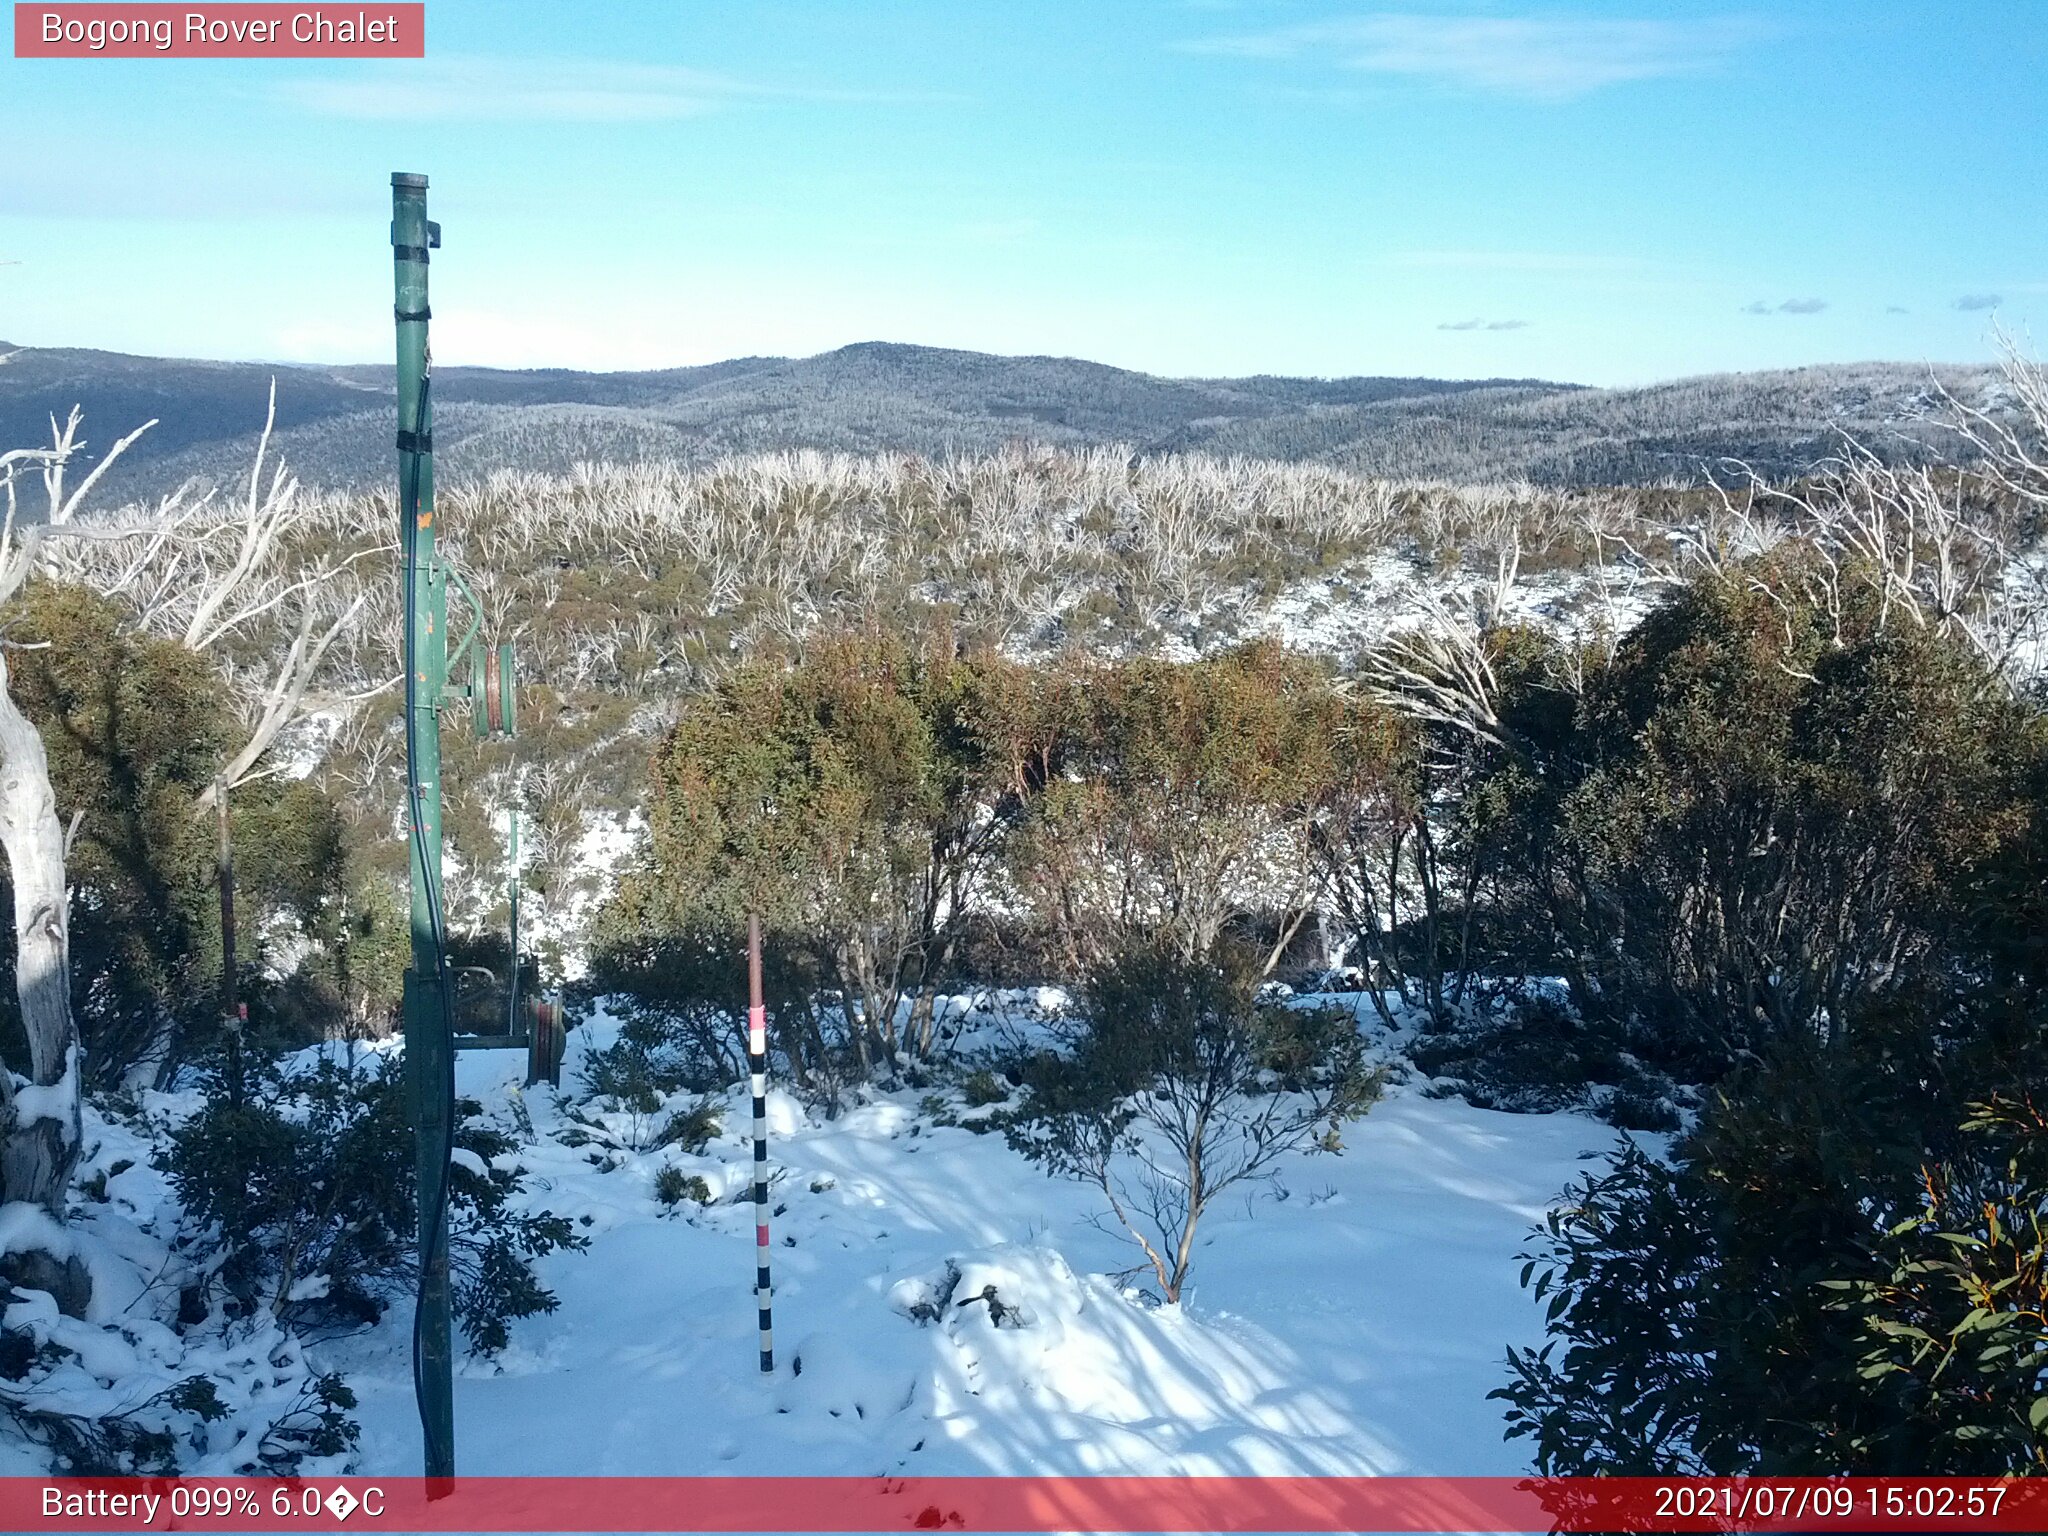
(1514, 261)
(537, 90)
(1544, 58)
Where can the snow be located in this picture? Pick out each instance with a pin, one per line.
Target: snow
(467, 1160)
(111, 1260)
(941, 1306)
(52, 1101)
(125, 1353)
(606, 842)
(1350, 1318)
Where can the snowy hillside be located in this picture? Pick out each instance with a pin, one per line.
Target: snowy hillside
(1348, 1318)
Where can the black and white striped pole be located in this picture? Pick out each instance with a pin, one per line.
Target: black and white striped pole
(757, 1067)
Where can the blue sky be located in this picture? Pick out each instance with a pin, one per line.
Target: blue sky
(1601, 192)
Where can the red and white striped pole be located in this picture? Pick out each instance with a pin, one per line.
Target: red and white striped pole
(757, 1066)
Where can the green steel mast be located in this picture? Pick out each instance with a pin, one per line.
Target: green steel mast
(429, 1036)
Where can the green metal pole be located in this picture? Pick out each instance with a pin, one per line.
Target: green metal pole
(512, 990)
(429, 1045)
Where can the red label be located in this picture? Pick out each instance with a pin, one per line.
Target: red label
(1100, 1504)
(375, 31)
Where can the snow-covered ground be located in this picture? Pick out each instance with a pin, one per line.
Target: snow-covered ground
(1349, 1318)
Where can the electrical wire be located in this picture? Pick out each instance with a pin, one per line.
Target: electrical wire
(436, 1220)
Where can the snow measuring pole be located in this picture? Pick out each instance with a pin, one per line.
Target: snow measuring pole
(757, 1068)
(429, 1003)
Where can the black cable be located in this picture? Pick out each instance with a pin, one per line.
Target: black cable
(436, 1252)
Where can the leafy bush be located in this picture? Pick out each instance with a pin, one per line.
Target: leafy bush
(682, 997)
(1954, 1309)
(1531, 1056)
(1177, 801)
(641, 1067)
(1824, 1281)
(307, 1186)
(136, 728)
(154, 1436)
(1767, 819)
(984, 1088)
(672, 1186)
(691, 1129)
(847, 799)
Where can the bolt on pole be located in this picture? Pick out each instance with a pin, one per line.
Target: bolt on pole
(429, 1041)
(757, 1066)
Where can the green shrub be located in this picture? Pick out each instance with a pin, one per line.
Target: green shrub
(833, 797)
(681, 995)
(1631, 1109)
(308, 1185)
(692, 1129)
(1954, 1309)
(984, 1088)
(1825, 1280)
(136, 728)
(1171, 791)
(1765, 819)
(641, 1067)
(672, 1186)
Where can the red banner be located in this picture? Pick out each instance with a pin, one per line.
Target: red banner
(1104, 1504)
(150, 31)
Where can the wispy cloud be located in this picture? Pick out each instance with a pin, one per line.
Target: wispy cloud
(1543, 58)
(539, 90)
(1483, 325)
(1980, 301)
(1513, 261)
(1786, 307)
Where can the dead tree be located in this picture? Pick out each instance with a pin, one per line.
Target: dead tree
(39, 1115)
(204, 575)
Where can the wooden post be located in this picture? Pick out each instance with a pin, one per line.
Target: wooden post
(757, 1067)
(230, 1002)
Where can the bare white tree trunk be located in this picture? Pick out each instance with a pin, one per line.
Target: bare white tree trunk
(201, 575)
(40, 1116)
(39, 1119)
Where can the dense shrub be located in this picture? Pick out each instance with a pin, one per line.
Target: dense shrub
(984, 1088)
(1177, 801)
(1801, 1291)
(307, 1187)
(136, 728)
(1954, 1308)
(1766, 820)
(166, 1430)
(672, 1186)
(692, 1129)
(853, 800)
(682, 994)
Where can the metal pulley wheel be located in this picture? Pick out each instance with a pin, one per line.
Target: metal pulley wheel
(546, 1040)
(493, 695)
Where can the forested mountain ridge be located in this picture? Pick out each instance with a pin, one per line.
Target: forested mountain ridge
(333, 422)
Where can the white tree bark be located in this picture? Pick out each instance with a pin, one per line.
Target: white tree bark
(39, 1116)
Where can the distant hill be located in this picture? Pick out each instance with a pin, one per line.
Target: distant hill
(335, 423)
